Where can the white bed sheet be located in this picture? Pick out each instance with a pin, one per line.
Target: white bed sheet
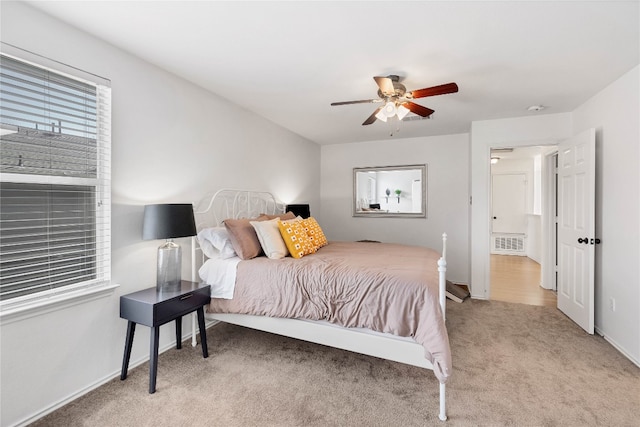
(221, 275)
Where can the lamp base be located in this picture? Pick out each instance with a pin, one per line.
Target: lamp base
(169, 267)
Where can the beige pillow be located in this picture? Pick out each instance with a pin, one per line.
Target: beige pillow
(270, 238)
(243, 237)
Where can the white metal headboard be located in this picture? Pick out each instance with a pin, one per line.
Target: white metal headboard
(227, 203)
(223, 204)
(230, 203)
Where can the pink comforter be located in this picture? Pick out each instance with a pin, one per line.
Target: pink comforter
(380, 286)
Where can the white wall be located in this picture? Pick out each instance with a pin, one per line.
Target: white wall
(615, 114)
(518, 166)
(447, 195)
(172, 142)
(534, 237)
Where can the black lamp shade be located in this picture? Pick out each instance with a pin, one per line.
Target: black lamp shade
(301, 210)
(168, 221)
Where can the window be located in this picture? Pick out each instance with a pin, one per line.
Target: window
(54, 179)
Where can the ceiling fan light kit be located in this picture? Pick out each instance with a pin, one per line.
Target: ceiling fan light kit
(402, 112)
(380, 115)
(389, 110)
(397, 101)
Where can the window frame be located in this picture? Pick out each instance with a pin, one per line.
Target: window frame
(51, 299)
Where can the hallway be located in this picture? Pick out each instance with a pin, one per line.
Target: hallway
(517, 279)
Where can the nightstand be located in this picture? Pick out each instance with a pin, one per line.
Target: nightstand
(153, 309)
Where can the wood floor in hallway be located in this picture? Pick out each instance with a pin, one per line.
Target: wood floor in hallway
(517, 279)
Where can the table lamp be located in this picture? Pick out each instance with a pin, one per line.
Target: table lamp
(168, 221)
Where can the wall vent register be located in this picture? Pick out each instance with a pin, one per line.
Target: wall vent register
(514, 245)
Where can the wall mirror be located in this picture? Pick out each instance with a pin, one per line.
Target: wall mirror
(390, 191)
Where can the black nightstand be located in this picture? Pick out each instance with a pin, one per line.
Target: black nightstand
(153, 309)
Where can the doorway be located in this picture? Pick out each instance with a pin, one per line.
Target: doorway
(522, 247)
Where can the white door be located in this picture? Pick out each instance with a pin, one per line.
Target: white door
(576, 228)
(508, 200)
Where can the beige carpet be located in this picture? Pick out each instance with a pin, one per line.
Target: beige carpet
(514, 365)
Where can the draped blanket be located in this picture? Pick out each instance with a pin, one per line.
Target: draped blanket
(379, 286)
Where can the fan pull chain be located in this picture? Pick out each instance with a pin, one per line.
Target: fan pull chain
(390, 123)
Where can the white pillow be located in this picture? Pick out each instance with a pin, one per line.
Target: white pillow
(215, 243)
(270, 238)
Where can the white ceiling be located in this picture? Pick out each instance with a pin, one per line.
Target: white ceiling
(287, 61)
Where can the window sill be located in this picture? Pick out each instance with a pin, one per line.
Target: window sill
(12, 313)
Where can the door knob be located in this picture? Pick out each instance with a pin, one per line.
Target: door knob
(585, 240)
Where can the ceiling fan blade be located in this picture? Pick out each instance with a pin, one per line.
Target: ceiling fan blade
(386, 85)
(435, 90)
(418, 109)
(372, 118)
(363, 101)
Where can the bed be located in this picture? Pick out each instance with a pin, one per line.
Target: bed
(362, 318)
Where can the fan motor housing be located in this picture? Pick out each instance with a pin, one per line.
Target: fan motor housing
(399, 89)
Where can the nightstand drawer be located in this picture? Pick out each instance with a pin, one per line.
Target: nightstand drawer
(179, 306)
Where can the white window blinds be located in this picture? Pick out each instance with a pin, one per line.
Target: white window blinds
(54, 180)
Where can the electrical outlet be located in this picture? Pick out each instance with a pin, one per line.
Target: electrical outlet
(612, 304)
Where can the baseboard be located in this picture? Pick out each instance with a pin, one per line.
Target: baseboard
(116, 374)
(618, 347)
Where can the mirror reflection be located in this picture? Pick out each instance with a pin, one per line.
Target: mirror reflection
(390, 191)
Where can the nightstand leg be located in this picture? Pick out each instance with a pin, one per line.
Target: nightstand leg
(153, 359)
(128, 342)
(179, 333)
(203, 333)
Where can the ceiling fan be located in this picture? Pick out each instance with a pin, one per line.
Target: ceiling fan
(397, 101)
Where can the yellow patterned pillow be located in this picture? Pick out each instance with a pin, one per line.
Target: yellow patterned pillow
(314, 232)
(296, 239)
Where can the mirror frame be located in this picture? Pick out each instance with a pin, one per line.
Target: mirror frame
(386, 214)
